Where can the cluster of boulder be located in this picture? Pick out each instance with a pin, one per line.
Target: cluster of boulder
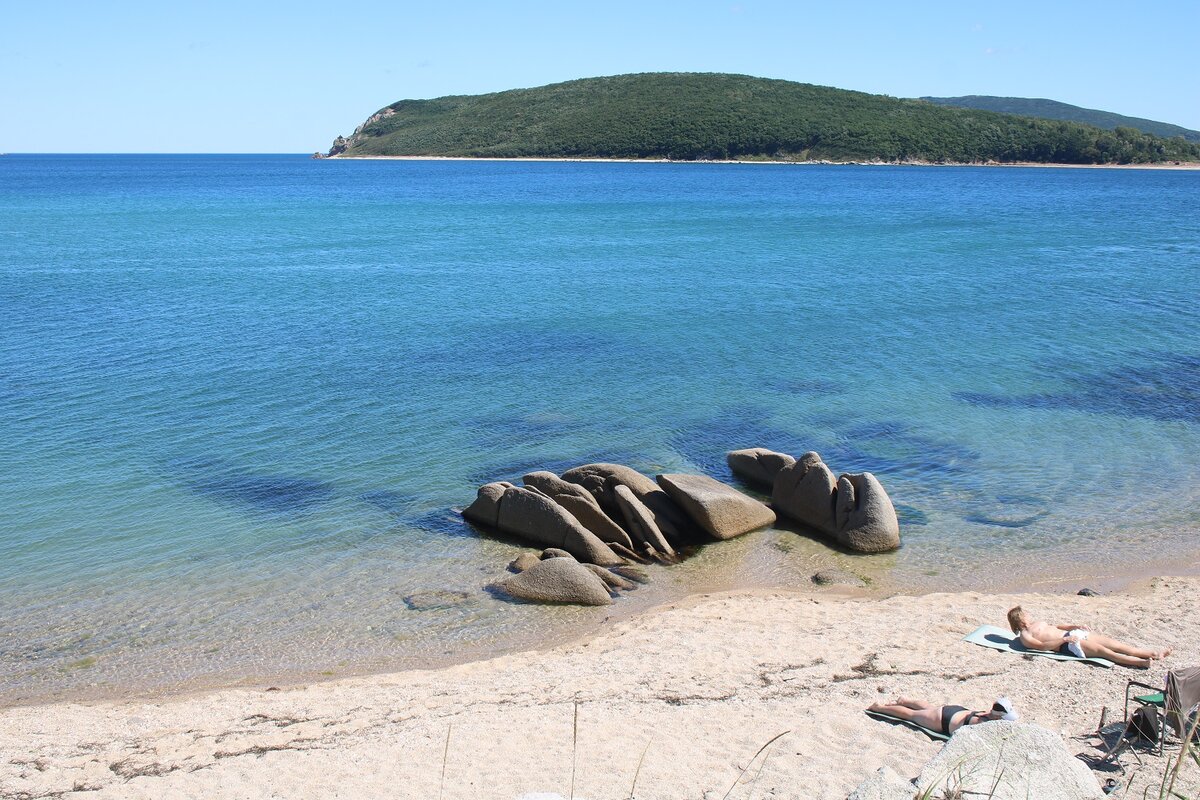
(853, 510)
(608, 514)
(603, 516)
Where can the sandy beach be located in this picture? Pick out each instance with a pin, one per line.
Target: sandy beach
(674, 703)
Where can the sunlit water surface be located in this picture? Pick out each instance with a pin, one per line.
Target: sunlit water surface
(240, 397)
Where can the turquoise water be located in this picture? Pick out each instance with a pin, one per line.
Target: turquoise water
(240, 397)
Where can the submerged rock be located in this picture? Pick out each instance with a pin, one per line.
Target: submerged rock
(434, 599)
(837, 577)
(558, 580)
(722, 511)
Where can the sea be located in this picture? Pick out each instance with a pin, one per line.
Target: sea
(243, 398)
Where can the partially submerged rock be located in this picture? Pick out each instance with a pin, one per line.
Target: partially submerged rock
(486, 508)
(758, 465)
(805, 491)
(640, 520)
(558, 580)
(722, 511)
(536, 518)
(610, 579)
(523, 562)
(581, 504)
(854, 509)
(599, 480)
(866, 518)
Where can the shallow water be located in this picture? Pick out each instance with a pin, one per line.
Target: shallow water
(239, 396)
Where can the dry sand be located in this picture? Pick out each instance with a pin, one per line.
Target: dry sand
(680, 699)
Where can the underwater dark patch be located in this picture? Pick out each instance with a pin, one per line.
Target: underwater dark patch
(497, 431)
(443, 521)
(394, 503)
(1166, 388)
(1011, 511)
(907, 515)
(895, 450)
(261, 492)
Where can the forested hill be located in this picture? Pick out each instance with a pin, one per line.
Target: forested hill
(689, 116)
(1052, 109)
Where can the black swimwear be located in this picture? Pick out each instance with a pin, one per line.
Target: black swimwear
(948, 713)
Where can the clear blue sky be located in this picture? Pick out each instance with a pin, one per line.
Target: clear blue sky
(252, 76)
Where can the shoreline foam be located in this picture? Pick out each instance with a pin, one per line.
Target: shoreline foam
(698, 686)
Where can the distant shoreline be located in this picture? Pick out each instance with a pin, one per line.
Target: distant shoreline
(1186, 166)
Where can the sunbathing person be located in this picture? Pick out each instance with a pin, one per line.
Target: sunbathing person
(1078, 641)
(943, 719)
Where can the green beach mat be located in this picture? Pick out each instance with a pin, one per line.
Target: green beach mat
(1000, 639)
(932, 734)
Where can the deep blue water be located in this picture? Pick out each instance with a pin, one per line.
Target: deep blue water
(239, 395)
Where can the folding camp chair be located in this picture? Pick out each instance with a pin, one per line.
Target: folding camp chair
(1177, 701)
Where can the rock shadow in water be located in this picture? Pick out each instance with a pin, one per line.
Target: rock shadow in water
(910, 516)
(1011, 511)
(1165, 387)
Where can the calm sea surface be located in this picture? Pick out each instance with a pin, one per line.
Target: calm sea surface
(240, 397)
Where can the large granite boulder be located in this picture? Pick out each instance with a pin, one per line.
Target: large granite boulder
(866, 518)
(722, 511)
(486, 508)
(853, 509)
(805, 491)
(1015, 760)
(536, 518)
(758, 466)
(640, 520)
(558, 580)
(599, 480)
(582, 505)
